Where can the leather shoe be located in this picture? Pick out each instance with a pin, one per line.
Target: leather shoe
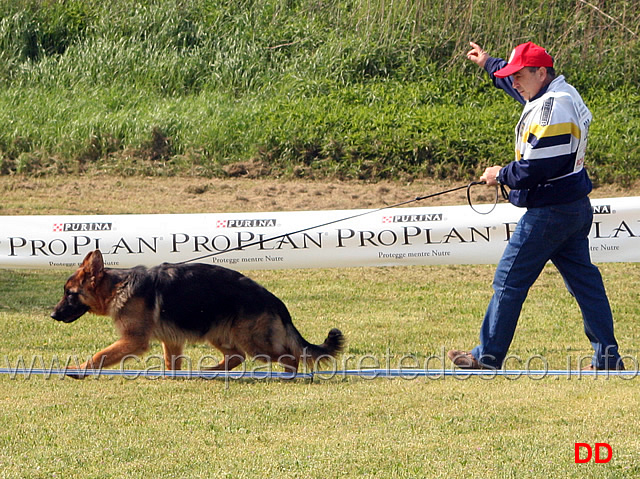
(464, 359)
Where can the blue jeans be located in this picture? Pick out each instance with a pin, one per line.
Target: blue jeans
(558, 233)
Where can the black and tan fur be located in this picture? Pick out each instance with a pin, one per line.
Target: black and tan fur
(179, 303)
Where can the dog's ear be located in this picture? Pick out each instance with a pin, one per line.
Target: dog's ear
(93, 266)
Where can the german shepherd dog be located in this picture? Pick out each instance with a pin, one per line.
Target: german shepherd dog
(176, 303)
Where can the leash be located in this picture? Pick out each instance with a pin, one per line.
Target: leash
(417, 198)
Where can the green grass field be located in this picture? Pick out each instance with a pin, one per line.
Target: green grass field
(340, 427)
(114, 427)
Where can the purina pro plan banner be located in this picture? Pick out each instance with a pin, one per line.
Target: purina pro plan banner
(250, 241)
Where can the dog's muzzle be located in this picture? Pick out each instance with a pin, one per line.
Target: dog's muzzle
(69, 316)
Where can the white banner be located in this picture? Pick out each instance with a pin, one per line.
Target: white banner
(242, 241)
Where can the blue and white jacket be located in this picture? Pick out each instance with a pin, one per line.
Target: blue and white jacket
(551, 141)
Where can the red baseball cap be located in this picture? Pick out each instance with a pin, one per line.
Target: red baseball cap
(525, 55)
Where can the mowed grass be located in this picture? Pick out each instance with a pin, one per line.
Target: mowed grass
(353, 427)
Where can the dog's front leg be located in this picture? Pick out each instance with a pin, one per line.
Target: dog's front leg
(118, 351)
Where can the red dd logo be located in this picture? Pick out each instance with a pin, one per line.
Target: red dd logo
(589, 452)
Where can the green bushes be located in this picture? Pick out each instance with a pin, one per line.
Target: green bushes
(354, 88)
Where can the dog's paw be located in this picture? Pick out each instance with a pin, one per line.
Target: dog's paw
(76, 373)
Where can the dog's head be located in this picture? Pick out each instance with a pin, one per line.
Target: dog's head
(80, 290)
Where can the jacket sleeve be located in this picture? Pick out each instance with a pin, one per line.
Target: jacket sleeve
(506, 84)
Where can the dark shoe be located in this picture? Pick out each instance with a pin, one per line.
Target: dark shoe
(464, 359)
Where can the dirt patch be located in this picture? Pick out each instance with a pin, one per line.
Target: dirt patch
(144, 195)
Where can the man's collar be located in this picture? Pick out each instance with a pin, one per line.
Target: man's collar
(543, 90)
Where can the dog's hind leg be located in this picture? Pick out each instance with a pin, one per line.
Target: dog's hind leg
(232, 359)
(289, 362)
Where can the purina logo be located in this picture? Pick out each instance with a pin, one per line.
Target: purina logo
(412, 218)
(79, 227)
(246, 223)
(602, 209)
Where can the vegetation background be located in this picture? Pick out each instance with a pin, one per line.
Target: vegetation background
(364, 89)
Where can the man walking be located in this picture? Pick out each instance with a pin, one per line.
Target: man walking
(547, 178)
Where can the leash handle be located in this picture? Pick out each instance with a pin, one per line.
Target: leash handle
(505, 193)
(474, 183)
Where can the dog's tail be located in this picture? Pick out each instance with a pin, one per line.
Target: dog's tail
(314, 355)
(333, 345)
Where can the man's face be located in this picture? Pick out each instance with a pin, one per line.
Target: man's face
(528, 82)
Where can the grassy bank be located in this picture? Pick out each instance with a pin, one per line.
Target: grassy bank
(349, 89)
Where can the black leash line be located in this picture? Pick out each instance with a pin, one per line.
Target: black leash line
(368, 212)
